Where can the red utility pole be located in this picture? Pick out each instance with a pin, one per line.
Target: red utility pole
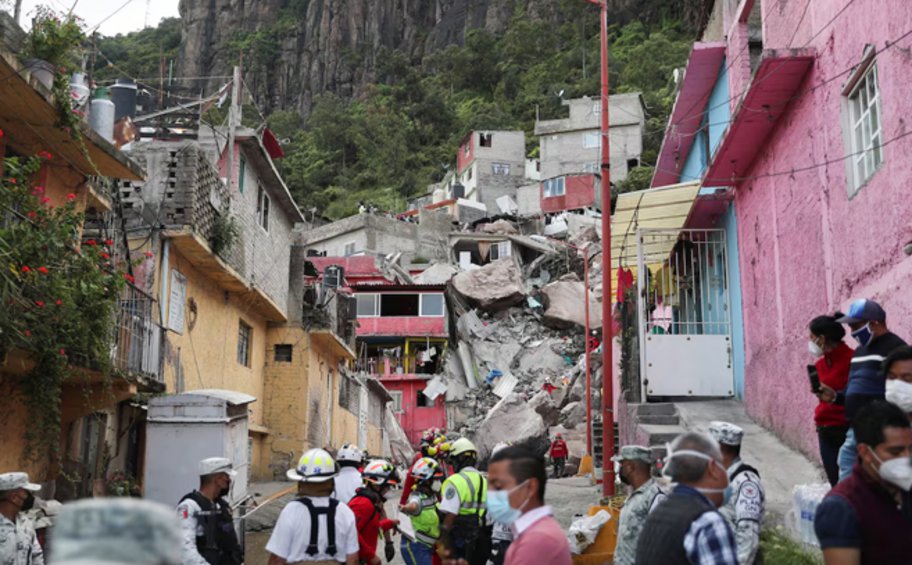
(607, 341)
(588, 352)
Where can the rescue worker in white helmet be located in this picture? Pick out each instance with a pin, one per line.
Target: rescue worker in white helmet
(422, 509)
(464, 531)
(207, 522)
(380, 478)
(314, 528)
(349, 457)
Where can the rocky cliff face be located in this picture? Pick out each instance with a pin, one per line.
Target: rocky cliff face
(300, 48)
(297, 49)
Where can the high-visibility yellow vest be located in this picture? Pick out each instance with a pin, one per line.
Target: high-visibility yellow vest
(472, 489)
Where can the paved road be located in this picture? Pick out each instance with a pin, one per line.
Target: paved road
(568, 497)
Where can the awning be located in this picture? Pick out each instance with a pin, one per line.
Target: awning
(774, 85)
(666, 208)
(687, 115)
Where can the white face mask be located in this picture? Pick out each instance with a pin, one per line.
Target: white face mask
(814, 349)
(672, 454)
(900, 393)
(897, 472)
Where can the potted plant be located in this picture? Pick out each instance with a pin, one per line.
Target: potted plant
(53, 44)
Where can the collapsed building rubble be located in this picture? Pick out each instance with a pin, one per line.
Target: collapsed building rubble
(515, 371)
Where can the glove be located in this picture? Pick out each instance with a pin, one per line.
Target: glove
(389, 551)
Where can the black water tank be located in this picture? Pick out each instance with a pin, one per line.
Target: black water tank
(123, 93)
(458, 190)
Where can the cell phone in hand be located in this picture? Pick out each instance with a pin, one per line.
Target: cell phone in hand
(814, 378)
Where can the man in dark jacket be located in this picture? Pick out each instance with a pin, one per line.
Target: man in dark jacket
(687, 528)
(866, 519)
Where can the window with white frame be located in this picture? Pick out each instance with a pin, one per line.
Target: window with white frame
(432, 305)
(396, 396)
(500, 169)
(863, 125)
(368, 305)
(245, 339)
(501, 250)
(262, 211)
(590, 167)
(554, 187)
(592, 140)
(597, 108)
(349, 249)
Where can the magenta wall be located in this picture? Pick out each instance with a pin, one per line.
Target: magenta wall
(403, 326)
(805, 247)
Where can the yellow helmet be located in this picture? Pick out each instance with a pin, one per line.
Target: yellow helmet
(462, 445)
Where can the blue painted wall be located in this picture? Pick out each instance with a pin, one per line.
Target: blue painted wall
(730, 224)
(715, 119)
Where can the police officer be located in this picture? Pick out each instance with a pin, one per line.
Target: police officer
(18, 542)
(209, 536)
(744, 507)
(464, 531)
(116, 531)
(636, 471)
(314, 528)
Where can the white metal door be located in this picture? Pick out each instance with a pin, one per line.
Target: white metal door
(684, 313)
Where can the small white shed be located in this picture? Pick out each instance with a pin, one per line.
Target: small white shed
(183, 429)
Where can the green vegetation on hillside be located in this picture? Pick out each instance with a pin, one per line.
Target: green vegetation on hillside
(387, 145)
(139, 54)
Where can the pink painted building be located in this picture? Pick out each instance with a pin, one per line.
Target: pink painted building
(402, 335)
(807, 151)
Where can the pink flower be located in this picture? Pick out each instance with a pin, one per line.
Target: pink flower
(38, 190)
(43, 270)
(128, 277)
(149, 254)
(39, 303)
(59, 302)
(62, 352)
(1, 133)
(71, 196)
(27, 333)
(25, 269)
(45, 200)
(45, 155)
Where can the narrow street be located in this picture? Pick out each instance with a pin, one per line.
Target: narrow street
(568, 497)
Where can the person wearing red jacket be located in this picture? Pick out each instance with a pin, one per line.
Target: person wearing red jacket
(559, 454)
(835, 359)
(380, 477)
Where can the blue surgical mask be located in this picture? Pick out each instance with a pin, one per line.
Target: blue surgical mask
(863, 334)
(727, 494)
(498, 506)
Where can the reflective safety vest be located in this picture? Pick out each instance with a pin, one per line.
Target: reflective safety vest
(472, 488)
(426, 522)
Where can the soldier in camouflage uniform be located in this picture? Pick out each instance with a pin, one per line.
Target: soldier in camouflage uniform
(18, 542)
(744, 507)
(636, 471)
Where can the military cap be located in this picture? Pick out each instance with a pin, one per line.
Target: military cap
(633, 453)
(12, 481)
(725, 433)
(116, 531)
(214, 465)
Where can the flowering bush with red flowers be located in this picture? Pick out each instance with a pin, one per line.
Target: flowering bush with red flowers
(59, 297)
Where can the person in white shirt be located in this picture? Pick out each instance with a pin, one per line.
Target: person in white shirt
(315, 527)
(349, 457)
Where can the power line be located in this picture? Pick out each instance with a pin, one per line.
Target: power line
(109, 16)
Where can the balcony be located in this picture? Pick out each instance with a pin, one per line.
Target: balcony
(137, 348)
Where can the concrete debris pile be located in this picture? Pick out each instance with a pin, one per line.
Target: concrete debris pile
(518, 367)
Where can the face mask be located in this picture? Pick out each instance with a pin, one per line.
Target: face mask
(863, 335)
(900, 393)
(28, 503)
(897, 472)
(498, 506)
(726, 492)
(814, 349)
(226, 490)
